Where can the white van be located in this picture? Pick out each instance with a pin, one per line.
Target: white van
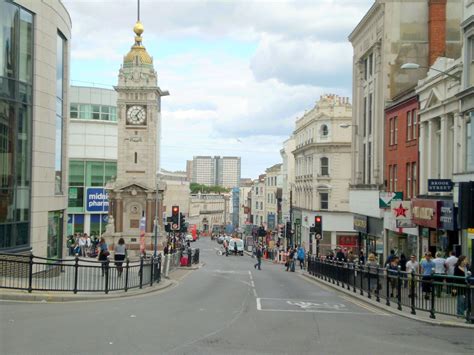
(240, 246)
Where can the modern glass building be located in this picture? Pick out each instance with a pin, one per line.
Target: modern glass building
(34, 77)
(92, 157)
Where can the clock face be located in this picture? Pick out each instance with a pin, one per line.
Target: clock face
(136, 115)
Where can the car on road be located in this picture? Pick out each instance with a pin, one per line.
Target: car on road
(236, 242)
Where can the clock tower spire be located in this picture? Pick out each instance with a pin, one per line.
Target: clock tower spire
(135, 194)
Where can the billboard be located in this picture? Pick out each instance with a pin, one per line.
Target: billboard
(97, 200)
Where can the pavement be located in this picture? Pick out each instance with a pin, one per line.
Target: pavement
(225, 307)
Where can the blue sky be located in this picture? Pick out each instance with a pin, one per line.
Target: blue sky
(239, 72)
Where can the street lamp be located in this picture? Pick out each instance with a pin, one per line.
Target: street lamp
(347, 125)
(414, 66)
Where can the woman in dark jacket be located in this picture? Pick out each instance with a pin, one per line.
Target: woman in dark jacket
(103, 253)
(460, 272)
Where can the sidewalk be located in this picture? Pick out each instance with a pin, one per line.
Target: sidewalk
(421, 316)
(176, 275)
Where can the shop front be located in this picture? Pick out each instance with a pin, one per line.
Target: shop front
(370, 231)
(436, 220)
(402, 234)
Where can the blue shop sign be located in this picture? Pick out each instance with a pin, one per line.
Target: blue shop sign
(447, 216)
(97, 200)
(440, 185)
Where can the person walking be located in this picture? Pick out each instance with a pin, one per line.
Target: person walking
(259, 258)
(392, 272)
(301, 256)
(119, 256)
(362, 258)
(460, 271)
(82, 245)
(427, 268)
(103, 254)
(372, 267)
(70, 245)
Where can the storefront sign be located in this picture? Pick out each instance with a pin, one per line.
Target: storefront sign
(386, 198)
(401, 209)
(360, 223)
(97, 200)
(447, 217)
(425, 212)
(440, 185)
(405, 223)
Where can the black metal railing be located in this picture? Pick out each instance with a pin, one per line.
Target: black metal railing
(434, 294)
(31, 273)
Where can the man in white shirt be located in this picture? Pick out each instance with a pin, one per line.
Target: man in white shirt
(450, 262)
(439, 272)
(412, 266)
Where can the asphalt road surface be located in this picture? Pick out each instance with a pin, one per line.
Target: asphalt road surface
(226, 307)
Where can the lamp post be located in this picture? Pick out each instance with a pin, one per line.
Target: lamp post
(414, 66)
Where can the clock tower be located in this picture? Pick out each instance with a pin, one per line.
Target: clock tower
(135, 194)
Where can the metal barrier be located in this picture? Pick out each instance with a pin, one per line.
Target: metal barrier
(31, 273)
(434, 294)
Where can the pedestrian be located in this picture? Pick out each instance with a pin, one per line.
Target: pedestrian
(392, 273)
(390, 257)
(103, 254)
(372, 267)
(259, 258)
(82, 245)
(450, 265)
(301, 256)
(427, 268)
(460, 271)
(362, 258)
(350, 256)
(340, 256)
(70, 245)
(119, 256)
(235, 248)
(412, 268)
(439, 272)
(88, 244)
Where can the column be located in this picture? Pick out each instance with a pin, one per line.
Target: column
(422, 159)
(457, 144)
(429, 156)
(150, 215)
(333, 240)
(87, 223)
(443, 169)
(119, 214)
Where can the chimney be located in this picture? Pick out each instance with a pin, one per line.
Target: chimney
(436, 29)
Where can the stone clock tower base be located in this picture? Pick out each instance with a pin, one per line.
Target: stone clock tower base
(127, 205)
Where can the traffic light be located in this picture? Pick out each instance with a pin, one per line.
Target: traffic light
(182, 224)
(175, 218)
(282, 231)
(288, 230)
(318, 225)
(167, 228)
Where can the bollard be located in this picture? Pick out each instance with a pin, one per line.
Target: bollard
(126, 274)
(412, 292)
(76, 271)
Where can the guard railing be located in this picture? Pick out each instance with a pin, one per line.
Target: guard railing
(436, 294)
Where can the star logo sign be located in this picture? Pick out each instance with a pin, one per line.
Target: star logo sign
(400, 211)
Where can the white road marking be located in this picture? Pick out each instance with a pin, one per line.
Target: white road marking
(255, 293)
(318, 311)
(259, 305)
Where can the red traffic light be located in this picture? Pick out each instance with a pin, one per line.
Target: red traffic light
(318, 219)
(175, 209)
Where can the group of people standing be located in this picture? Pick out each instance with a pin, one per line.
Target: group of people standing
(83, 245)
(292, 255)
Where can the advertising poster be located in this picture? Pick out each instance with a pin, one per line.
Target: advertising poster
(142, 234)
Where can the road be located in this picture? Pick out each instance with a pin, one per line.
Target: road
(226, 307)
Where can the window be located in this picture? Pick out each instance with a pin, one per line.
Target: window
(365, 117)
(409, 126)
(395, 178)
(324, 130)
(408, 181)
(95, 173)
(366, 68)
(470, 143)
(324, 197)
(370, 114)
(414, 174)
(390, 178)
(395, 129)
(76, 184)
(390, 139)
(58, 152)
(371, 59)
(414, 116)
(324, 166)
(85, 112)
(74, 113)
(55, 232)
(96, 112)
(471, 61)
(110, 171)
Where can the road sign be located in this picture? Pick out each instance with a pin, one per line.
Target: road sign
(319, 237)
(174, 226)
(440, 185)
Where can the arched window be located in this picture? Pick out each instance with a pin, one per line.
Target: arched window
(324, 130)
(324, 166)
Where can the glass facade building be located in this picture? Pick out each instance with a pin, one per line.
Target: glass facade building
(16, 80)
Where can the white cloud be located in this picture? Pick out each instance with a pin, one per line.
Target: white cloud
(219, 95)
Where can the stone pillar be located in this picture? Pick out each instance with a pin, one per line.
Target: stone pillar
(119, 214)
(443, 169)
(457, 142)
(150, 213)
(422, 164)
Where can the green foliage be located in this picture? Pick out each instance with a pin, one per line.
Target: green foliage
(195, 188)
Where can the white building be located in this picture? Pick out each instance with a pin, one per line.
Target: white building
(208, 211)
(273, 193)
(322, 174)
(244, 205)
(34, 68)
(222, 171)
(288, 176)
(258, 201)
(92, 148)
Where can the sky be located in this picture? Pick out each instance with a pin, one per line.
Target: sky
(239, 72)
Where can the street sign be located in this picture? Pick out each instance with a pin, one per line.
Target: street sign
(319, 237)
(440, 185)
(386, 198)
